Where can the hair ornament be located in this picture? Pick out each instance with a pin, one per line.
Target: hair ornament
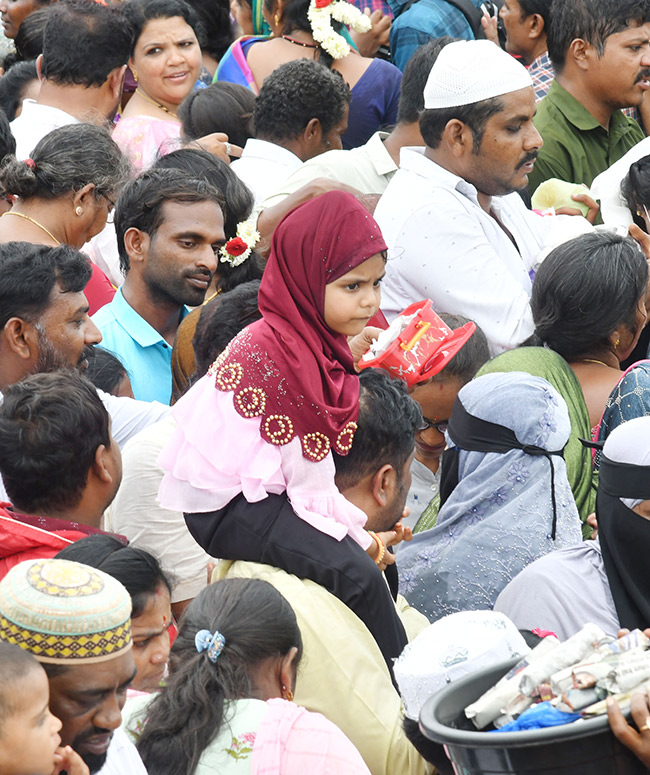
(30, 163)
(320, 15)
(238, 249)
(212, 642)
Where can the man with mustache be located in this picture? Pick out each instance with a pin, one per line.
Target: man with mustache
(76, 621)
(600, 50)
(169, 232)
(457, 232)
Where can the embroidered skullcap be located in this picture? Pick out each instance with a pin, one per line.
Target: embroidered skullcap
(451, 648)
(469, 71)
(64, 612)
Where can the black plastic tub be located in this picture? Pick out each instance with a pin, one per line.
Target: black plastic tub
(582, 748)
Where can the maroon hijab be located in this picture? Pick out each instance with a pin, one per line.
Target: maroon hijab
(290, 368)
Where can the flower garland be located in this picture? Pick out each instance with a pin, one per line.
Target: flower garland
(239, 248)
(320, 15)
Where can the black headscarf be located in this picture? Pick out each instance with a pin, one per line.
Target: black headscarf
(625, 539)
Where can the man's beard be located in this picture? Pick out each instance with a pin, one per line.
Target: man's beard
(50, 359)
(95, 761)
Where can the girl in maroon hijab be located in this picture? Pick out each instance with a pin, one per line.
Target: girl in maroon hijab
(284, 393)
(254, 438)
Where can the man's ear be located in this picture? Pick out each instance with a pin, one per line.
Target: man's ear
(313, 132)
(115, 81)
(383, 484)
(582, 53)
(458, 137)
(136, 244)
(536, 26)
(39, 67)
(21, 338)
(101, 466)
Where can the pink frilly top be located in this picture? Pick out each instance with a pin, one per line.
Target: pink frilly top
(143, 138)
(216, 453)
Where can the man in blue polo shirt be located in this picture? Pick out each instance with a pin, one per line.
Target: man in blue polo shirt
(169, 230)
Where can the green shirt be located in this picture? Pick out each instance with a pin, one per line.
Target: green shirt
(576, 147)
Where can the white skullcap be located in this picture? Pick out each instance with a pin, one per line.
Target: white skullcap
(469, 71)
(451, 648)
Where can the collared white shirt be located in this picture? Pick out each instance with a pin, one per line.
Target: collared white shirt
(445, 247)
(34, 122)
(368, 168)
(263, 166)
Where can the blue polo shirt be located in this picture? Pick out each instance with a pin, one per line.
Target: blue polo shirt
(143, 351)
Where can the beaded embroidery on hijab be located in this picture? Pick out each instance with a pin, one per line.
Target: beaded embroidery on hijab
(290, 368)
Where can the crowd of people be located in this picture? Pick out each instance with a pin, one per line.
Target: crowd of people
(292, 367)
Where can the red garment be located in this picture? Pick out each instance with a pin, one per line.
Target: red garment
(99, 291)
(289, 367)
(24, 537)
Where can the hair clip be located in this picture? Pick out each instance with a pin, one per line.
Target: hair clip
(212, 642)
(30, 163)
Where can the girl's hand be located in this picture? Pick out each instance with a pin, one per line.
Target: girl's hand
(70, 761)
(637, 740)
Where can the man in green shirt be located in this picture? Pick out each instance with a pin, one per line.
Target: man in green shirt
(600, 50)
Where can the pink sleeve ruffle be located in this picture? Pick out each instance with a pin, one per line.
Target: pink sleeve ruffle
(215, 454)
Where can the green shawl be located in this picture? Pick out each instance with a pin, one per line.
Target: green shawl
(545, 363)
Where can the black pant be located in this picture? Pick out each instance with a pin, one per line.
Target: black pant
(269, 532)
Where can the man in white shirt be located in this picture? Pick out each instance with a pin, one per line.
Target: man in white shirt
(300, 112)
(458, 234)
(370, 167)
(76, 621)
(85, 50)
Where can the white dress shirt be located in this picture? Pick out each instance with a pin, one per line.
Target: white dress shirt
(34, 122)
(122, 757)
(445, 247)
(263, 166)
(368, 168)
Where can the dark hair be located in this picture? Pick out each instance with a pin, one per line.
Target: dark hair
(66, 160)
(431, 752)
(141, 202)
(140, 12)
(7, 140)
(476, 115)
(237, 206)
(30, 272)
(222, 107)
(105, 370)
(84, 42)
(12, 86)
(584, 289)
(388, 420)
(137, 570)
(216, 32)
(50, 428)
(15, 663)
(29, 40)
(221, 320)
(541, 7)
(257, 624)
(635, 189)
(294, 17)
(416, 74)
(591, 20)
(471, 356)
(296, 92)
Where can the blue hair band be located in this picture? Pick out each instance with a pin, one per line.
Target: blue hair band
(212, 642)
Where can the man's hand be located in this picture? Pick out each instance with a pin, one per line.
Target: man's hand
(368, 43)
(489, 24)
(637, 740)
(216, 143)
(592, 204)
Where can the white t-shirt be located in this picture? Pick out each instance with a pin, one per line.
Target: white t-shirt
(34, 122)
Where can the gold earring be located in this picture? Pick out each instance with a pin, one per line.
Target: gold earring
(617, 342)
(276, 19)
(78, 210)
(135, 74)
(287, 694)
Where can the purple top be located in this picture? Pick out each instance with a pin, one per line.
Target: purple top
(375, 98)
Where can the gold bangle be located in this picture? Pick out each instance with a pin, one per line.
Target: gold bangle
(382, 548)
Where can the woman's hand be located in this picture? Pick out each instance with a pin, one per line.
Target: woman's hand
(593, 524)
(641, 237)
(70, 761)
(637, 740)
(368, 43)
(216, 143)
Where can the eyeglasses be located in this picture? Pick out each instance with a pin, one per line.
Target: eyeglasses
(440, 425)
